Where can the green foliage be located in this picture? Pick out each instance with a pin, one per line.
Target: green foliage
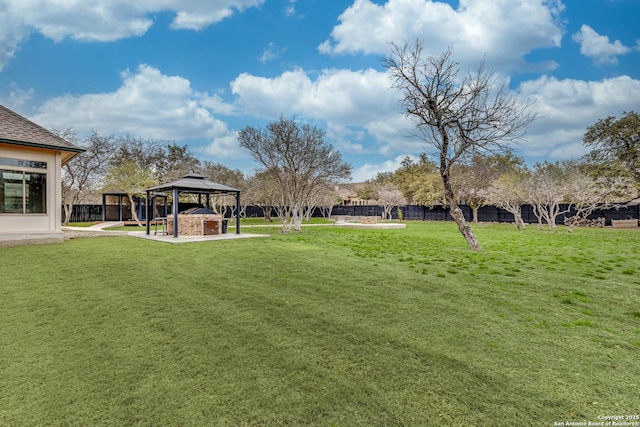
(615, 144)
(129, 177)
(420, 181)
(325, 327)
(367, 191)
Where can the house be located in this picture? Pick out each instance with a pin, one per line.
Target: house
(348, 194)
(31, 160)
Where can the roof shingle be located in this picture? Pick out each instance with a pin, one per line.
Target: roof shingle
(15, 129)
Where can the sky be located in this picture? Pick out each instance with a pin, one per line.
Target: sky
(196, 72)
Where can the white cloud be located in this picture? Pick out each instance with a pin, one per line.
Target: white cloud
(270, 53)
(369, 171)
(569, 106)
(353, 104)
(18, 97)
(103, 20)
(504, 30)
(12, 33)
(290, 9)
(598, 47)
(343, 97)
(216, 104)
(362, 116)
(225, 146)
(148, 104)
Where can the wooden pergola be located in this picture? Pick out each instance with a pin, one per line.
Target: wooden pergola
(191, 184)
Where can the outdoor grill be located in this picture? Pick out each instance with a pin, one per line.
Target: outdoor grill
(198, 221)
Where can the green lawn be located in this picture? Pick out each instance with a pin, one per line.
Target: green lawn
(324, 327)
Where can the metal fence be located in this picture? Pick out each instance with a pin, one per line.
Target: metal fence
(92, 213)
(84, 213)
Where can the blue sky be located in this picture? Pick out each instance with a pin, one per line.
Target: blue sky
(196, 72)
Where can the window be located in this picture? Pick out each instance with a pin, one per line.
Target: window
(22, 163)
(23, 192)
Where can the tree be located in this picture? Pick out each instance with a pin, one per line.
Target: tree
(298, 159)
(177, 162)
(148, 154)
(81, 175)
(615, 146)
(508, 193)
(420, 181)
(367, 191)
(548, 191)
(457, 116)
(590, 193)
(262, 191)
(132, 179)
(230, 177)
(326, 199)
(472, 179)
(390, 196)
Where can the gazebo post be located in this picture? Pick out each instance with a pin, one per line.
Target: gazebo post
(175, 212)
(238, 212)
(146, 212)
(190, 184)
(104, 208)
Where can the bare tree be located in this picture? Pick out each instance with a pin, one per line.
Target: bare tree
(589, 194)
(327, 199)
(473, 178)
(262, 192)
(298, 159)
(548, 192)
(81, 175)
(457, 116)
(148, 154)
(230, 177)
(177, 162)
(390, 196)
(323, 198)
(508, 193)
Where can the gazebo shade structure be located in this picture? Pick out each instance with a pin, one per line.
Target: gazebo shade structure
(192, 183)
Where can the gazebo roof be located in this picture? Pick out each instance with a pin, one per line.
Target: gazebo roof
(196, 183)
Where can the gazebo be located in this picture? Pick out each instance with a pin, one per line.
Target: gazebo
(191, 184)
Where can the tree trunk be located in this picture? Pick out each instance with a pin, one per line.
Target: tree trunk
(474, 209)
(134, 213)
(519, 220)
(297, 216)
(266, 212)
(457, 215)
(68, 210)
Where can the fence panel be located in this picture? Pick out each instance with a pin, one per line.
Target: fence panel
(84, 213)
(93, 213)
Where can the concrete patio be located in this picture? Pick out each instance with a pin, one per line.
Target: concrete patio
(191, 239)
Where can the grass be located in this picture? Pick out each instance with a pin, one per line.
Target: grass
(81, 224)
(324, 327)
